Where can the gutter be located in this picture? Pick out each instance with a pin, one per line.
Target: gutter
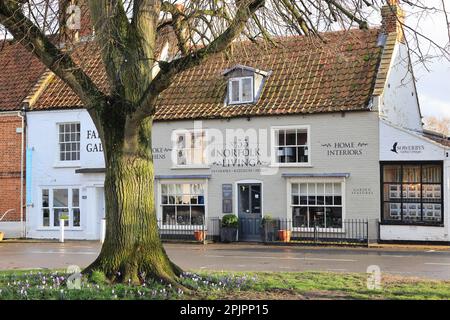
(22, 115)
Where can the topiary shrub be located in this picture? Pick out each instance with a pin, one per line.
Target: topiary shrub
(230, 221)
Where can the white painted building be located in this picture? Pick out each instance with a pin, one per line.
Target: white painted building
(307, 132)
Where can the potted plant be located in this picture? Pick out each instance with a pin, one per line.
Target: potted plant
(284, 235)
(267, 228)
(200, 235)
(229, 228)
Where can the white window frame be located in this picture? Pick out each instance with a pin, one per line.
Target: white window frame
(241, 100)
(175, 135)
(66, 163)
(315, 180)
(51, 208)
(204, 182)
(274, 146)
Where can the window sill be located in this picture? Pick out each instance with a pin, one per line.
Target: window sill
(327, 230)
(181, 227)
(67, 164)
(411, 224)
(290, 165)
(58, 229)
(191, 167)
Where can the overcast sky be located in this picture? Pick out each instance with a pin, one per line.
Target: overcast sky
(434, 86)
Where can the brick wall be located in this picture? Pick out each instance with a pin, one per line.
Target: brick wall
(10, 155)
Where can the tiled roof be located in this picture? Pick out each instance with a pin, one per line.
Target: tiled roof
(307, 76)
(437, 138)
(19, 72)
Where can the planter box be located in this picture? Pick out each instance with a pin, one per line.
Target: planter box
(284, 235)
(200, 235)
(228, 234)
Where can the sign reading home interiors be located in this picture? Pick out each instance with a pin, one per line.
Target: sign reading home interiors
(345, 148)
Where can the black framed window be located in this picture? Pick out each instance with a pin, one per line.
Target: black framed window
(412, 193)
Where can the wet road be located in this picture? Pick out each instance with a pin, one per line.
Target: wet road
(243, 257)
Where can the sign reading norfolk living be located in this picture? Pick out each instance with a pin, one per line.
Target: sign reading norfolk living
(238, 156)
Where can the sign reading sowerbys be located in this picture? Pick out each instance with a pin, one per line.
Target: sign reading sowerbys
(400, 145)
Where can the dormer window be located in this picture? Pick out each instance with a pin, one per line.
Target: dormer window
(244, 84)
(240, 90)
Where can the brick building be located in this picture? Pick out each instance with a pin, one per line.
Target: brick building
(19, 73)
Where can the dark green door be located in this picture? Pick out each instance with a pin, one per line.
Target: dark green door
(249, 204)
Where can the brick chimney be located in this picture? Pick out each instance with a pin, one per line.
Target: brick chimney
(392, 19)
(75, 20)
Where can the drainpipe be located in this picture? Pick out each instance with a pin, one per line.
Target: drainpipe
(21, 114)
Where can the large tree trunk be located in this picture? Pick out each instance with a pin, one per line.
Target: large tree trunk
(132, 249)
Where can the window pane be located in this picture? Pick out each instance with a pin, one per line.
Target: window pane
(183, 215)
(60, 198)
(45, 198)
(291, 137)
(431, 173)
(392, 173)
(281, 137)
(198, 213)
(235, 91)
(411, 192)
(247, 94)
(164, 189)
(300, 217)
(392, 211)
(337, 189)
(46, 217)
(317, 216)
(392, 192)
(431, 193)
(334, 217)
(76, 218)
(411, 212)
(411, 173)
(57, 214)
(432, 212)
(302, 138)
(169, 215)
(75, 197)
(302, 154)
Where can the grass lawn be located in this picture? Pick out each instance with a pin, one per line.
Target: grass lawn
(215, 285)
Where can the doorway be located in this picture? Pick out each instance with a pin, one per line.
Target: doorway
(249, 211)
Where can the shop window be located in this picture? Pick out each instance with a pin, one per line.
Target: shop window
(317, 204)
(69, 141)
(183, 204)
(61, 203)
(412, 193)
(190, 148)
(291, 146)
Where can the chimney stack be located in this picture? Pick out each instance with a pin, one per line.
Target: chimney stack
(75, 20)
(392, 19)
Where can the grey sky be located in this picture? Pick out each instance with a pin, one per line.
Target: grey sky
(434, 86)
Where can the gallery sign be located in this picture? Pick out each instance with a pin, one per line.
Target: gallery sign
(401, 145)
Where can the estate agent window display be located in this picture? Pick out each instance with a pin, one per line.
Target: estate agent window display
(412, 193)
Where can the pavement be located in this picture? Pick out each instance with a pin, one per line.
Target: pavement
(425, 262)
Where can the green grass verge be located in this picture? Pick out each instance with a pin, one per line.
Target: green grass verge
(36, 285)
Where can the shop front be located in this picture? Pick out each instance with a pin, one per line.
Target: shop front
(414, 186)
